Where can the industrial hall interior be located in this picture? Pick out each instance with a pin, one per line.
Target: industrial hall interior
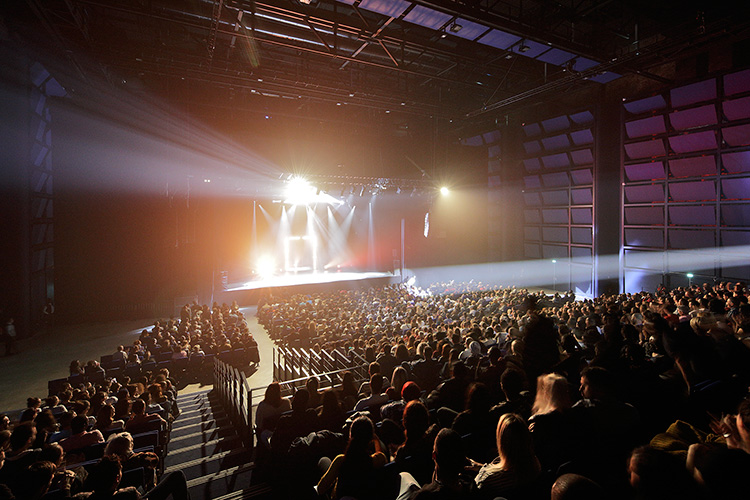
(374, 249)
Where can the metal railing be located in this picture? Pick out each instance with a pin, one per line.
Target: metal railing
(232, 389)
(290, 363)
(241, 402)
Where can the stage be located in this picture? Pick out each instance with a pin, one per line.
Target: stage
(247, 292)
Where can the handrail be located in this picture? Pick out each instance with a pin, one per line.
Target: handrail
(238, 398)
(232, 388)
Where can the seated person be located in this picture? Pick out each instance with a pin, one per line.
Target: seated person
(80, 437)
(20, 454)
(353, 474)
(105, 421)
(516, 468)
(377, 398)
(449, 481)
(121, 446)
(140, 421)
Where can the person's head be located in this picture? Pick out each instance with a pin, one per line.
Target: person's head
(105, 414)
(512, 382)
(138, 407)
(416, 419)
(347, 381)
(361, 433)
(52, 453)
(656, 474)
(448, 454)
(119, 444)
(155, 391)
(312, 384)
(479, 399)
(576, 487)
(376, 383)
(742, 422)
(410, 391)
(4, 445)
(330, 401)
(78, 424)
(45, 421)
(273, 394)
(22, 436)
(300, 400)
(551, 394)
(399, 378)
(4, 422)
(597, 383)
(37, 479)
(514, 445)
(105, 476)
(459, 370)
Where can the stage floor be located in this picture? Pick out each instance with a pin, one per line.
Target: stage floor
(304, 279)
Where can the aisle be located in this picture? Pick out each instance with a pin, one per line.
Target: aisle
(264, 375)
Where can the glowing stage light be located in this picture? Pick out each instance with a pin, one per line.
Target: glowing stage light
(445, 191)
(265, 266)
(299, 192)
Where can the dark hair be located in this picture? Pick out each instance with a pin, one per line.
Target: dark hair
(300, 400)
(416, 419)
(479, 399)
(357, 462)
(78, 424)
(376, 384)
(139, 406)
(103, 477)
(512, 382)
(599, 379)
(21, 435)
(576, 487)
(273, 394)
(658, 474)
(450, 458)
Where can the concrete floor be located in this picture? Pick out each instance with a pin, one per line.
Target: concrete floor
(46, 356)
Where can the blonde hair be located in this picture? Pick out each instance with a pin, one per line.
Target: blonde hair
(120, 444)
(551, 394)
(515, 448)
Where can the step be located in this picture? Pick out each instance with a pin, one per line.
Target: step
(198, 426)
(222, 483)
(213, 464)
(201, 450)
(193, 395)
(200, 436)
(257, 491)
(194, 419)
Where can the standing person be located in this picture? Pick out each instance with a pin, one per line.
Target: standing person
(10, 337)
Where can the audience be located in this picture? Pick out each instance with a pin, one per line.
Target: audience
(680, 357)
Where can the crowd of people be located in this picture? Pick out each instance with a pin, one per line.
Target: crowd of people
(46, 449)
(482, 392)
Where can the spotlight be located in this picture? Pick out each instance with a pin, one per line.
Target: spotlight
(265, 266)
(299, 192)
(445, 191)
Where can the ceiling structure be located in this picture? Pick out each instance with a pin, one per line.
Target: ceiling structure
(436, 58)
